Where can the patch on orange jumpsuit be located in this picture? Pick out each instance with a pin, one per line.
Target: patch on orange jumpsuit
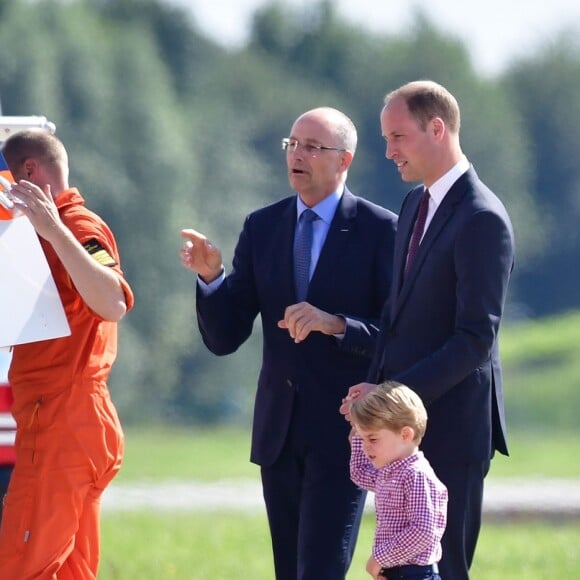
(96, 250)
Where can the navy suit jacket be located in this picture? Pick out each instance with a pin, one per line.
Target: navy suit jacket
(439, 330)
(352, 278)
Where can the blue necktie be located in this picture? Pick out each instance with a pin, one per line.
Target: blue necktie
(302, 248)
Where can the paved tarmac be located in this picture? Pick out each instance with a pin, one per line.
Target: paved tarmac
(511, 499)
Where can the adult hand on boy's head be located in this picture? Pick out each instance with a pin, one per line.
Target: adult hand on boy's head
(355, 392)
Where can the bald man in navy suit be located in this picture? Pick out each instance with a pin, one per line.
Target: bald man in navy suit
(439, 330)
(315, 346)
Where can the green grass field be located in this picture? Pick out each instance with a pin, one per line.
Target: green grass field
(209, 455)
(152, 544)
(208, 546)
(541, 371)
(542, 374)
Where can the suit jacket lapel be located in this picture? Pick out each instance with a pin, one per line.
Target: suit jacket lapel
(443, 214)
(404, 230)
(284, 241)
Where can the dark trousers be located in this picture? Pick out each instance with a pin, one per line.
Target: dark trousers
(464, 483)
(314, 513)
(411, 572)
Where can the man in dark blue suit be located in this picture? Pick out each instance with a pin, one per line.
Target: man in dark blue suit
(314, 346)
(439, 329)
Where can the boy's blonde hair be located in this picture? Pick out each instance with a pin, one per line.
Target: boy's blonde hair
(392, 406)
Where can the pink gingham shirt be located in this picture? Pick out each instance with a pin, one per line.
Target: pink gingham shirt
(410, 505)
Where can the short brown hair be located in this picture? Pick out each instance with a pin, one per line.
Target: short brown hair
(393, 406)
(427, 100)
(34, 143)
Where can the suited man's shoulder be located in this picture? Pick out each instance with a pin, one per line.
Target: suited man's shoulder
(363, 207)
(275, 209)
(367, 208)
(482, 198)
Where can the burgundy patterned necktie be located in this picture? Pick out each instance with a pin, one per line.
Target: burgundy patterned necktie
(418, 229)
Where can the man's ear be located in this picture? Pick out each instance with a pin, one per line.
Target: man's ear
(437, 128)
(30, 167)
(346, 160)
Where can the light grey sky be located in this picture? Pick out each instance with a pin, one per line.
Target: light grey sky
(494, 31)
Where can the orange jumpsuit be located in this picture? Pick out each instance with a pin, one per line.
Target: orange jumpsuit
(69, 442)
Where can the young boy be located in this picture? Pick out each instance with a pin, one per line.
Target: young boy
(410, 502)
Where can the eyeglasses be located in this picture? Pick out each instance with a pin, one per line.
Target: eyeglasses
(309, 148)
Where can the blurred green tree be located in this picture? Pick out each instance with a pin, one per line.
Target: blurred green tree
(168, 130)
(544, 89)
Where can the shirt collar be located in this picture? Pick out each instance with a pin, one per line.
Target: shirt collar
(440, 188)
(401, 463)
(325, 210)
(70, 196)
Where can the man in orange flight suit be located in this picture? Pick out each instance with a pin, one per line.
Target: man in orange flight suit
(69, 442)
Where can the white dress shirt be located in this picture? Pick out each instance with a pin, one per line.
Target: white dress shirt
(439, 189)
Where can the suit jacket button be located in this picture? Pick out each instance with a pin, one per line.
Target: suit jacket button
(289, 383)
